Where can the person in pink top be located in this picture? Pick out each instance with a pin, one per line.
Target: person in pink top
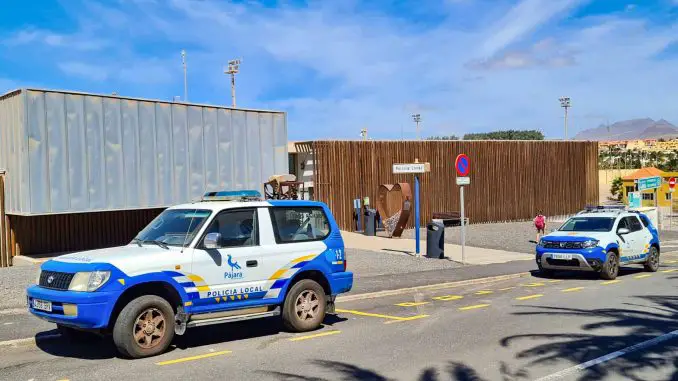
(540, 224)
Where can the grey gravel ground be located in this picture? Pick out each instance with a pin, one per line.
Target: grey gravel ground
(365, 263)
(13, 283)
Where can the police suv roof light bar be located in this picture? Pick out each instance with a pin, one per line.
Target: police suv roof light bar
(243, 195)
(603, 209)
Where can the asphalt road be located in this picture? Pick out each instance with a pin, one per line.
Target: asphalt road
(522, 329)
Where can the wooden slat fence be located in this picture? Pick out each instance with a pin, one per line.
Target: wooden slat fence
(510, 180)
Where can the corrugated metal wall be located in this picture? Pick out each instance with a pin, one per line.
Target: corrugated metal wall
(69, 152)
(510, 180)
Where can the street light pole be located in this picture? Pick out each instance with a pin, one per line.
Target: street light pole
(183, 62)
(233, 68)
(417, 119)
(565, 103)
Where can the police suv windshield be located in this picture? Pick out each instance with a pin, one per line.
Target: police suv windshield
(588, 224)
(173, 227)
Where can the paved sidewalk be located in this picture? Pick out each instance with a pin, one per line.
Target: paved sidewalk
(474, 255)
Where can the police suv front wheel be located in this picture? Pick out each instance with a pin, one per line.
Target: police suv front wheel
(652, 263)
(304, 307)
(610, 267)
(145, 327)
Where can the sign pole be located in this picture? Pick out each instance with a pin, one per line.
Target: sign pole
(416, 214)
(463, 229)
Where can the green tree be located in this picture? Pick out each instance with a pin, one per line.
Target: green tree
(506, 135)
(617, 188)
(449, 137)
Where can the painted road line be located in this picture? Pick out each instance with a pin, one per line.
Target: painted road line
(401, 320)
(610, 282)
(411, 304)
(534, 284)
(446, 298)
(193, 358)
(555, 281)
(669, 270)
(321, 334)
(506, 288)
(530, 297)
(573, 289)
(359, 313)
(484, 292)
(642, 276)
(672, 261)
(474, 307)
(431, 287)
(583, 366)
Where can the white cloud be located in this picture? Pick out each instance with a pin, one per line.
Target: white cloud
(523, 18)
(84, 70)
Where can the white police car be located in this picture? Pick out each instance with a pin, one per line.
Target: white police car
(229, 257)
(600, 239)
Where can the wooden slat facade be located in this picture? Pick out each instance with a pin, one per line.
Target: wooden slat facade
(73, 232)
(510, 180)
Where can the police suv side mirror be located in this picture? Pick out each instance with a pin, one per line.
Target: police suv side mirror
(622, 231)
(212, 241)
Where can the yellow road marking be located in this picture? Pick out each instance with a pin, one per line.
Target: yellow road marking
(484, 292)
(642, 276)
(573, 289)
(669, 270)
(192, 358)
(315, 335)
(506, 288)
(530, 297)
(672, 261)
(416, 317)
(534, 284)
(446, 298)
(359, 313)
(411, 304)
(611, 282)
(555, 281)
(473, 307)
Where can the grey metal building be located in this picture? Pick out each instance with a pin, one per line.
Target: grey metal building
(66, 153)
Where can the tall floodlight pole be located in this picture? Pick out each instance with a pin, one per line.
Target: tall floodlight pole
(417, 119)
(183, 63)
(565, 103)
(233, 67)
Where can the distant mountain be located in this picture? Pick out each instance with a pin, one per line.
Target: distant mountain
(633, 129)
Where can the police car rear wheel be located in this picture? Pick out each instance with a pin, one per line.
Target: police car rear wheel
(610, 267)
(652, 264)
(145, 327)
(304, 308)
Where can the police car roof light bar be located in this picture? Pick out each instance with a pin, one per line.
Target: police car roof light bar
(603, 209)
(243, 195)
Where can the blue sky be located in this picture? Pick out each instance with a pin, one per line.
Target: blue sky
(342, 65)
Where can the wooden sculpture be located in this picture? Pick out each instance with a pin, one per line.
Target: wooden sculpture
(283, 187)
(394, 204)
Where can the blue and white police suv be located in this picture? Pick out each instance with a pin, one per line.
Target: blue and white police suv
(600, 239)
(230, 257)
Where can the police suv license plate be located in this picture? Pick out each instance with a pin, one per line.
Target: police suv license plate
(566, 257)
(42, 305)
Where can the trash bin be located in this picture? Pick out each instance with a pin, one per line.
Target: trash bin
(370, 222)
(435, 240)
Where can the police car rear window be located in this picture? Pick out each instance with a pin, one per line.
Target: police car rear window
(299, 224)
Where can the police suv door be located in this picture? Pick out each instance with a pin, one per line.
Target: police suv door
(626, 244)
(232, 273)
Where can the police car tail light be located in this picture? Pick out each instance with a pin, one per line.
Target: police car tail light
(89, 281)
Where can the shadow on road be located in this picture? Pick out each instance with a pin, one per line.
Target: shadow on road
(103, 348)
(558, 350)
(586, 275)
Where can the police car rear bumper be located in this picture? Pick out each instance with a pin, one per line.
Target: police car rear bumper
(581, 260)
(341, 282)
(84, 310)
